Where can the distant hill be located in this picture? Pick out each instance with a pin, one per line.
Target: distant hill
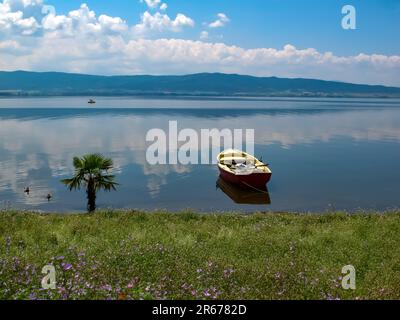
(22, 83)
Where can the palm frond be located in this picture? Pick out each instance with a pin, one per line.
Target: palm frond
(73, 183)
(78, 163)
(92, 167)
(106, 183)
(95, 161)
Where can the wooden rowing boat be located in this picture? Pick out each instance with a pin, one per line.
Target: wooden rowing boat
(241, 168)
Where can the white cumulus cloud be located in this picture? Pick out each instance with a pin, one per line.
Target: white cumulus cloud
(152, 3)
(108, 45)
(220, 22)
(162, 22)
(19, 17)
(204, 35)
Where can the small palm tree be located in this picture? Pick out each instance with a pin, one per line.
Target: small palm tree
(91, 171)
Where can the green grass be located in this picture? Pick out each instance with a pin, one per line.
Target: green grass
(137, 255)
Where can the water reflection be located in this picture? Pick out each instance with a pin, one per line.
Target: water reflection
(242, 195)
(319, 153)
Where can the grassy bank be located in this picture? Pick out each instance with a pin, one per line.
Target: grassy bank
(133, 255)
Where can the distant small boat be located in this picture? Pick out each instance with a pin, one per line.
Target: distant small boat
(91, 101)
(244, 195)
(243, 169)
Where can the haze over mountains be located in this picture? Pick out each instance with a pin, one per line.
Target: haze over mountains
(22, 83)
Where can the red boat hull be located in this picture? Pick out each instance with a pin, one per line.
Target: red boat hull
(256, 180)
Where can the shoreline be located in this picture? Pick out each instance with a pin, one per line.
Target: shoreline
(205, 97)
(191, 211)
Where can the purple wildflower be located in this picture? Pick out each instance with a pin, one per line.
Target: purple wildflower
(106, 287)
(67, 266)
(207, 293)
(228, 272)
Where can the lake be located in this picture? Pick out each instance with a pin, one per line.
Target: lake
(324, 153)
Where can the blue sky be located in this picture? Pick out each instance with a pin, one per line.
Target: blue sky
(274, 23)
(287, 38)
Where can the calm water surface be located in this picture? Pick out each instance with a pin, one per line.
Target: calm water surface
(324, 153)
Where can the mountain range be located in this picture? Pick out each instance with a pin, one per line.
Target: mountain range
(23, 83)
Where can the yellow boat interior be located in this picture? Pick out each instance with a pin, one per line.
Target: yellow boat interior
(240, 162)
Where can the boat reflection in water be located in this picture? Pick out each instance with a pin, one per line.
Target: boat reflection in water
(244, 195)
